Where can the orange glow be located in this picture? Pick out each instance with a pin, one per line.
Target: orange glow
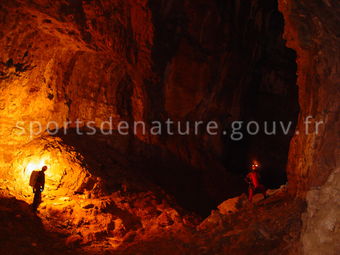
(31, 166)
(65, 173)
(26, 165)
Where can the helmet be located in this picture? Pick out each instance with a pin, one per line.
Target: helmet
(44, 168)
(254, 165)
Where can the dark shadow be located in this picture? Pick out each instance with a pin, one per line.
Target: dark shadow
(127, 161)
(22, 232)
(270, 94)
(261, 75)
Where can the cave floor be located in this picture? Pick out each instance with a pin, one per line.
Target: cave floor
(22, 232)
(270, 226)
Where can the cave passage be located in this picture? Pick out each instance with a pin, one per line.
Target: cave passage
(248, 74)
(226, 63)
(73, 73)
(188, 61)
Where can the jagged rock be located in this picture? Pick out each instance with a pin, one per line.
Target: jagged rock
(233, 205)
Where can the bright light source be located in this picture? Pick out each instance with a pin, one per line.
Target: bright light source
(27, 166)
(61, 163)
(33, 165)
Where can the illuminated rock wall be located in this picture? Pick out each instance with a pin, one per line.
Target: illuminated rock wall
(145, 60)
(62, 61)
(65, 61)
(311, 29)
(66, 173)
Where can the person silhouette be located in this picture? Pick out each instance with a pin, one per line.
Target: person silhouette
(38, 187)
(253, 179)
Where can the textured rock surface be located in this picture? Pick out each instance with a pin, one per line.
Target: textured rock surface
(74, 60)
(66, 174)
(321, 225)
(311, 30)
(270, 226)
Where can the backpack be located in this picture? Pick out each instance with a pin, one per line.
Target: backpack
(34, 178)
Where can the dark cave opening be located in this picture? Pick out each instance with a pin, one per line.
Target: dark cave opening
(270, 96)
(259, 85)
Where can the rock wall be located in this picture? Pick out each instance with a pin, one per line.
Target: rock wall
(321, 228)
(212, 72)
(68, 60)
(311, 30)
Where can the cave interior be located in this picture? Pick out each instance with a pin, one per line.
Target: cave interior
(226, 61)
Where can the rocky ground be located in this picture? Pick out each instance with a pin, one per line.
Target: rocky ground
(22, 232)
(116, 225)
